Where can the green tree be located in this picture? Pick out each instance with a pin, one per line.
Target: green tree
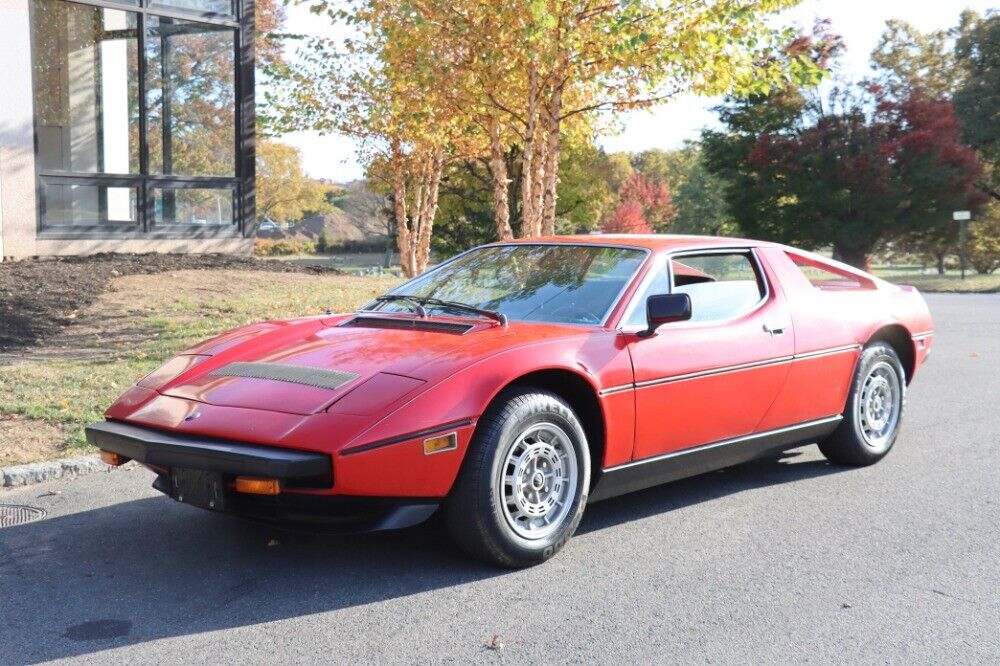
(984, 239)
(977, 98)
(697, 195)
(466, 213)
(284, 192)
(907, 61)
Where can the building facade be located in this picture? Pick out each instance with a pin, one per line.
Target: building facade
(126, 126)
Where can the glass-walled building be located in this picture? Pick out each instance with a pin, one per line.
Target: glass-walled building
(129, 126)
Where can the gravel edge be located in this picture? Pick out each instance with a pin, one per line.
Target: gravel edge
(39, 472)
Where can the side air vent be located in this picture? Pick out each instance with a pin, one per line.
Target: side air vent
(365, 321)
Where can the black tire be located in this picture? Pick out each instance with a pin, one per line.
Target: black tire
(474, 511)
(853, 443)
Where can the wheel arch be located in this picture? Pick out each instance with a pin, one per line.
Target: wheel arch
(897, 337)
(581, 395)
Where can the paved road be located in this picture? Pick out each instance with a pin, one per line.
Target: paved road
(774, 561)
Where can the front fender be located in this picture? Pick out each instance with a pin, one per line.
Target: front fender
(388, 457)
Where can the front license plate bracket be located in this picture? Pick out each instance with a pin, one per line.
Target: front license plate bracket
(198, 488)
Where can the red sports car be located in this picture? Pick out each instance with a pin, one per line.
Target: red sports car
(515, 383)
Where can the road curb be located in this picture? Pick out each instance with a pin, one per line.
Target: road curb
(39, 472)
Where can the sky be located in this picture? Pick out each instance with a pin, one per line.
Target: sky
(860, 22)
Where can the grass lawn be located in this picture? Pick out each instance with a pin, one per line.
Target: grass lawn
(49, 392)
(950, 282)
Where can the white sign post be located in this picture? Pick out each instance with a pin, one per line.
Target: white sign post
(961, 216)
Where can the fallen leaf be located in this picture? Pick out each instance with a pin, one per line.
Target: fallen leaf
(495, 643)
(974, 354)
(51, 493)
(846, 605)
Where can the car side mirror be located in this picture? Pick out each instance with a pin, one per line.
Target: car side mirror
(664, 308)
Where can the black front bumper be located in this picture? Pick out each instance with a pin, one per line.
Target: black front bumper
(298, 470)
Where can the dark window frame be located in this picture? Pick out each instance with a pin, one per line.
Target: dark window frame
(241, 183)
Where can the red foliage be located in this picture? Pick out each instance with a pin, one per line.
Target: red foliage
(645, 205)
(627, 219)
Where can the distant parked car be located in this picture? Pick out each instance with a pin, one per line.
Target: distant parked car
(515, 383)
(268, 225)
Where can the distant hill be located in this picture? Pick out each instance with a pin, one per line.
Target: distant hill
(355, 215)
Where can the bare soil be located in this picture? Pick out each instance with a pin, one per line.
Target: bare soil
(38, 297)
(26, 440)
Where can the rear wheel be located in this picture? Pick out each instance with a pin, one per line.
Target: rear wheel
(524, 482)
(874, 409)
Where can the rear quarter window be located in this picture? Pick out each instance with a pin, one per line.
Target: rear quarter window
(828, 277)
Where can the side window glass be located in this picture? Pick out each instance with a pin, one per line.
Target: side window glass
(659, 284)
(720, 285)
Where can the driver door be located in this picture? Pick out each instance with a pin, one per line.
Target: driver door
(714, 377)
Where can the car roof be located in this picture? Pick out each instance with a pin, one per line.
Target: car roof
(656, 242)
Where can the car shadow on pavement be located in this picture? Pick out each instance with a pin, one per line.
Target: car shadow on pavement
(149, 569)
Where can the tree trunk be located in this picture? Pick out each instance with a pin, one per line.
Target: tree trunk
(433, 168)
(528, 158)
(537, 187)
(939, 257)
(859, 257)
(552, 164)
(399, 207)
(498, 169)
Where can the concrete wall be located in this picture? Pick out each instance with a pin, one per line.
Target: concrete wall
(18, 222)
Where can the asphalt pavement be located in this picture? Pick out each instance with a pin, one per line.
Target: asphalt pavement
(780, 560)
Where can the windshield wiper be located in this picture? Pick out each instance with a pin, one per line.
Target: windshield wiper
(414, 304)
(454, 305)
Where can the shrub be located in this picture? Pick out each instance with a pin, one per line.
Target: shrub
(267, 247)
(323, 243)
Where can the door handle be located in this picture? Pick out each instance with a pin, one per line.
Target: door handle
(774, 329)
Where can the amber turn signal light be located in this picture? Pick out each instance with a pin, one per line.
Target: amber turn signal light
(256, 486)
(441, 443)
(113, 459)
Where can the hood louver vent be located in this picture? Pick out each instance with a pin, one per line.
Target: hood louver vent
(293, 374)
(408, 324)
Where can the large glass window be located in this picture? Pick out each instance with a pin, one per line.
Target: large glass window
(202, 207)
(215, 6)
(136, 115)
(69, 204)
(190, 94)
(85, 68)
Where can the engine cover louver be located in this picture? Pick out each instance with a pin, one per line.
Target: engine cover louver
(409, 324)
(293, 374)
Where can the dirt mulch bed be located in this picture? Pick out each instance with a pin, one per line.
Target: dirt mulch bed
(40, 296)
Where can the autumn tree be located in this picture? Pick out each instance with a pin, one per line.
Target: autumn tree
(850, 172)
(653, 198)
(284, 192)
(628, 218)
(487, 80)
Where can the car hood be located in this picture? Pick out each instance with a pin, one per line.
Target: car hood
(305, 366)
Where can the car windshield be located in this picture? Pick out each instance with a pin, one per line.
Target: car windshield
(572, 284)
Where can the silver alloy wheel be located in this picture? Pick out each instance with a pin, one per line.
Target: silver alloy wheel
(538, 481)
(879, 405)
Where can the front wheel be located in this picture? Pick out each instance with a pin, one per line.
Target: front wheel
(874, 409)
(524, 482)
